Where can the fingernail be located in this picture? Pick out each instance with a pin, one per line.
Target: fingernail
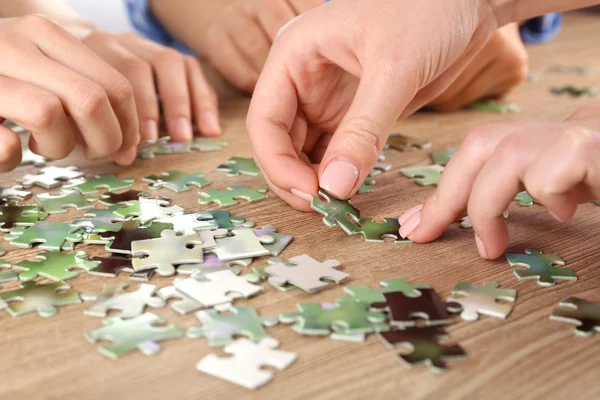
(150, 130)
(339, 178)
(408, 213)
(126, 157)
(556, 217)
(410, 224)
(210, 121)
(183, 127)
(480, 247)
(301, 195)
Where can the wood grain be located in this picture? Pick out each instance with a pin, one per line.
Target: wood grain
(526, 356)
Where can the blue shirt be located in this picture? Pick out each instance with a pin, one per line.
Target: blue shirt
(536, 30)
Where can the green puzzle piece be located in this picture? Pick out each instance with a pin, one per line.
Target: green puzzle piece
(58, 204)
(50, 236)
(220, 328)
(207, 144)
(176, 181)
(131, 334)
(346, 318)
(108, 181)
(582, 313)
(239, 165)
(495, 106)
(101, 220)
(337, 212)
(525, 199)
(364, 188)
(54, 265)
(14, 215)
(9, 275)
(425, 176)
(442, 157)
(575, 91)
(540, 266)
(376, 232)
(366, 294)
(41, 298)
(229, 197)
(224, 220)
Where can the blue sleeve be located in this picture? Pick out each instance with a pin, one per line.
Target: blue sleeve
(146, 24)
(541, 29)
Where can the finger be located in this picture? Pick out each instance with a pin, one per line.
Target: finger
(301, 6)
(229, 60)
(65, 49)
(273, 18)
(204, 100)
(451, 197)
(251, 40)
(556, 177)
(42, 113)
(10, 149)
(495, 188)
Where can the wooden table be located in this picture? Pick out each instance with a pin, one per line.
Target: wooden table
(526, 356)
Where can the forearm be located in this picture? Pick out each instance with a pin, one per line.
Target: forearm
(57, 10)
(507, 11)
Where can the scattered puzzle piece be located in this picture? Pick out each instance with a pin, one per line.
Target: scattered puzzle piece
(582, 313)
(239, 165)
(364, 188)
(404, 310)
(220, 328)
(244, 368)
(128, 335)
(543, 267)
(305, 272)
(210, 264)
(58, 204)
(243, 243)
(176, 181)
(482, 299)
(366, 294)
(54, 265)
(162, 253)
(120, 241)
(109, 182)
(204, 144)
(224, 220)
(29, 157)
(100, 220)
(495, 106)
(14, 193)
(114, 297)
(216, 288)
(12, 215)
(112, 266)
(406, 144)
(281, 241)
(337, 212)
(573, 91)
(9, 275)
(49, 235)
(379, 168)
(442, 157)
(188, 223)
(425, 176)
(151, 209)
(110, 198)
(262, 275)
(50, 177)
(231, 195)
(185, 303)
(41, 298)
(424, 347)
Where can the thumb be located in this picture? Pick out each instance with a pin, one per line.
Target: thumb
(383, 92)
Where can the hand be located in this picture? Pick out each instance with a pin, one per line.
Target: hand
(53, 85)
(497, 69)
(183, 90)
(557, 163)
(235, 35)
(338, 77)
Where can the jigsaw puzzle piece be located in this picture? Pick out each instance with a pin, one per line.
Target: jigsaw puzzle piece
(524, 199)
(404, 310)
(244, 367)
(151, 209)
(184, 305)
(442, 157)
(114, 297)
(281, 240)
(41, 298)
(204, 144)
(306, 273)
(12, 215)
(220, 328)
(163, 253)
(337, 212)
(176, 181)
(543, 267)
(345, 318)
(379, 168)
(482, 299)
(9, 275)
(54, 265)
(364, 188)
(14, 193)
(109, 182)
(58, 204)
(128, 335)
(423, 346)
(262, 275)
(222, 219)
(100, 220)
(239, 165)
(376, 232)
(495, 106)
(131, 231)
(147, 149)
(210, 264)
(189, 223)
(403, 143)
(50, 177)
(216, 288)
(49, 235)
(110, 198)
(582, 313)
(242, 244)
(425, 176)
(111, 266)
(231, 195)
(366, 294)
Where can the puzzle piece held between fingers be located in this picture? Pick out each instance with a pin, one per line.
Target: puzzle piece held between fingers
(337, 212)
(244, 368)
(231, 195)
(240, 165)
(305, 272)
(114, 297)
(482, 299)
(377, 232)
(543, 267)
(41, 298)
(176, 181)
(425, 176)
(525, 199)
(128, 335)
(582, 313)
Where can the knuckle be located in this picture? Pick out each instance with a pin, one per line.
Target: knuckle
(166, 56)
(38, 22)
(476, 138)
(43, 111)
(581, 139)
(362, 133)
(137, 66)
(88, 100)
(510, 148)
(121, 91)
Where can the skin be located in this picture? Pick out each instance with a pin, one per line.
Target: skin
(346, 71)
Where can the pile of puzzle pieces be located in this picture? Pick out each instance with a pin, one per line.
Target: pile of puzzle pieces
(214, 258)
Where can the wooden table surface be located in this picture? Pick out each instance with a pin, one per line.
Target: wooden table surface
(526, 356)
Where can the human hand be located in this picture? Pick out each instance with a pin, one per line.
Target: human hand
(235, 35)
(498, 68)
(183, 90)
(557, 164)
(339, 76)
(56, 87)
